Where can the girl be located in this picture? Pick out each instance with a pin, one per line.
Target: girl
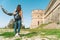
(17, 17)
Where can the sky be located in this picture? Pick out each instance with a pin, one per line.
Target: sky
(27, 7)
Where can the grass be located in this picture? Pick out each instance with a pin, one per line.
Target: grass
(29, 34)
(11, 34)
(38, 31)
(42, 25)
(48, 32)
(18, 39)
(7, 34)
(34, 32)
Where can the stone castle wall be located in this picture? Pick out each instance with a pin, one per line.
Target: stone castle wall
(51, 14)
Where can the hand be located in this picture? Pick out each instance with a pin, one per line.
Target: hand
(14, 13)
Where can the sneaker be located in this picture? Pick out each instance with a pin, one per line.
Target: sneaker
(17, 35)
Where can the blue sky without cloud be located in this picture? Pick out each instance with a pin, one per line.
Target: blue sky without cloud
(27, 7)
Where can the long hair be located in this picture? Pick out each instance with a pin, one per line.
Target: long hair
(18, 8)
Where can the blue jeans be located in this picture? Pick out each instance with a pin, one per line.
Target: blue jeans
(17, 26)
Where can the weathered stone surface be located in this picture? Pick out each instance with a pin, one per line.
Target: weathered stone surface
(51, 26)
(37, 18)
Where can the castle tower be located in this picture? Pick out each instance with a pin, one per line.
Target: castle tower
(37, 18)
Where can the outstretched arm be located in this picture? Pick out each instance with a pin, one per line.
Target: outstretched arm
(10, 14)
